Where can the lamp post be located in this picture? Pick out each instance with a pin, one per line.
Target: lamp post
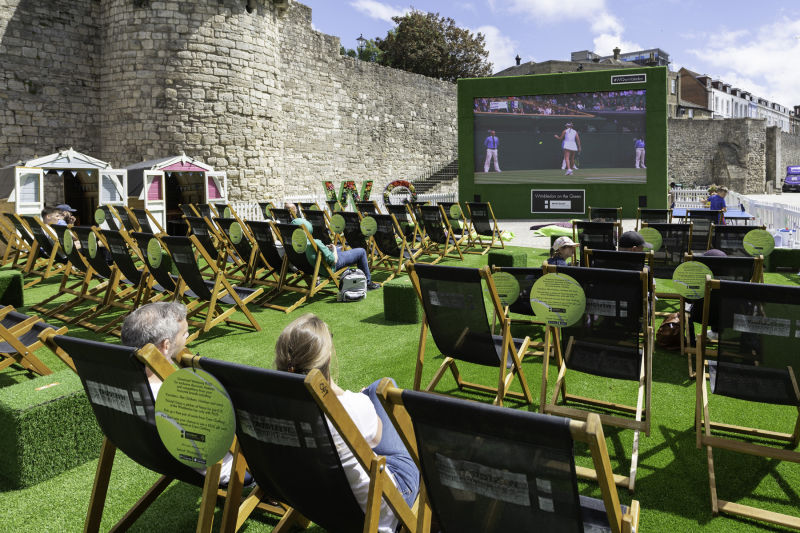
(362, 43)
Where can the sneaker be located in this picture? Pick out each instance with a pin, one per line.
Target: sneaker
(575, 168)
(568, 172)
(712, 335)
(371, 286)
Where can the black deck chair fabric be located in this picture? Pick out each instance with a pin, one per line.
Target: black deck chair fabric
(438, 228)
(143, 220)
(281, 215)
(162, 273)
(701, 227)
(386, 238)
(605, 214)
(367, 208)
(525, 277)
(296, 259)
(617, 260)
(262, 233)
(595, 235)
(266, 209)
(653, 216)
(319, 226)
(74, 254)
(188, 210)
(21, 229)
(200, 229)
(674, 244)
(403, 217)
(730, 268)
(480, 218)
(46, 247)
(122, 258)
(352, 231)
(244, 247)
(127, 223)
(204, 210)
(493, 469)
(285, 438)
(98, 262)
(117, 388)
(19, 339)
(730, 239)
(111, 218)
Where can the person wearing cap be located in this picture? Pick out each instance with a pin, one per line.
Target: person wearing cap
(632, 241)
(69, 218)
(491, 143)
(570, 145)
(563, 249)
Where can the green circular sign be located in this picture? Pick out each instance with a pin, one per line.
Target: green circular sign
(99, 216)
(759, 242)
(154, 253)
(194, 418)
(226, 213)
(337, 223)
(92, 245)
(67, 244)
(369, 226)
(337, 207)
(690, 279)
(653, 236)
(455, 212)
(267, 213)
(558, 299)
(235, 232)
(507, 287)
(299, 240)
(314, 207)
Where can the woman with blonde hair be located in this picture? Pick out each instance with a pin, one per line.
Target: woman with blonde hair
(306, 344)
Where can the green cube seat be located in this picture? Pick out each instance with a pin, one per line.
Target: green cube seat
(11, 288)
(400, 301)
(508, 258)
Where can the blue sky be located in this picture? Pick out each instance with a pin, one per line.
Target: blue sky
(752, 45)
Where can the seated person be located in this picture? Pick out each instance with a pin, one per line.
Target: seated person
(53, 216)
(336, 257)
(632, 241)
(307, 344)
(68, 211)
(164, 325)
(289, 206)
(563, 249)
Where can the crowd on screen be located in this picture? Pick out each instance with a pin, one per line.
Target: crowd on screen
(571, 104)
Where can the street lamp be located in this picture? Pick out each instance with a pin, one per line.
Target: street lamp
(362, 43)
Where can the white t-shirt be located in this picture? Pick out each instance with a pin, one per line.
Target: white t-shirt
(569, 140)
(227, 461)
(361, 410)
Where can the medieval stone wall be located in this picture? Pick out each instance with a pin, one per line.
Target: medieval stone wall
(789, 153)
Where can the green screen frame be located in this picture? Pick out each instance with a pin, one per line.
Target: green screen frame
(513, 201)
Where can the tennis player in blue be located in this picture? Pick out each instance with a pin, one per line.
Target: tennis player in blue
(491, 143)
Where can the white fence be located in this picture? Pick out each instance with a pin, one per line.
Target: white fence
(772, 215)
(688, 198)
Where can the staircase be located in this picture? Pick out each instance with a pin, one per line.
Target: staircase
(447, 173)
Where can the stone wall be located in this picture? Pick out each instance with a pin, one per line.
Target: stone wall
(789, 154)
(48, 81)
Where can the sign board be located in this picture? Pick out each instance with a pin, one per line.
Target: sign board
(558, 201)
(628, 78)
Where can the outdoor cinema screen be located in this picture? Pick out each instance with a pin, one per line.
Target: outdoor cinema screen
(575, 138)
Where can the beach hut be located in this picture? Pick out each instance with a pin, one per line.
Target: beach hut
(162, 185)
(65, 177)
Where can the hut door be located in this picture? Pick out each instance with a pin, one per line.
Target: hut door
(216, 187)
(113, 187)
(29, 188)
(154, 197)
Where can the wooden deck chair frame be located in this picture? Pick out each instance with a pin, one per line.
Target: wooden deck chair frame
(640, 219)
(320, 225)
(600, 211)
(589, 431)
(246, 250)
(715, 240)
(394, 264)
(506, 372)
(647, 263)
(756, 276)
(670, 295)
(20, 333)
(433, 247)
(553, 343)
(151, 358)
(314, 284)
(268, 264)
(9, 237)
(464, 240)
(149, 218)
(411, 231)
(381, 486)
(479, 239)
(22, 237)
(616, 232)
(209, 310)
(704, 437)
(535, 348)
(43, 266)
(372, 208)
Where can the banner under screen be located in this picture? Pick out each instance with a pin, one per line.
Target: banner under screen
(575, 138)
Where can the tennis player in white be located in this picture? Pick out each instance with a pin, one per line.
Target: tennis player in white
(571, 145)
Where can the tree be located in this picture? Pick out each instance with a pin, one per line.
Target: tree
(434, 46)
(370, 52)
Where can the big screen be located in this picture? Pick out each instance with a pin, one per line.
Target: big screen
(573, 138)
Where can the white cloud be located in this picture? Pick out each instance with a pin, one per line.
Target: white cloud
(758, 61)
(379, 10)
(605, 43)
(502, 49)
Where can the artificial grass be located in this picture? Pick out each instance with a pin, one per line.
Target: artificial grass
(11, 292)
(672, 483)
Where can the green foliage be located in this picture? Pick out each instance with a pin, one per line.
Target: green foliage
(428, 44)
(370, 52)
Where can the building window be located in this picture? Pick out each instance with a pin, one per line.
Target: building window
(691, 113)
(673, 86)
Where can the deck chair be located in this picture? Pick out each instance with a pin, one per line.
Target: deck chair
(353, 236)
(111, 217)
(730, 239)
(245, 248)
(392, 250)
(281, 215)
(211, 294)
(148, 223)
(701, 227)
(209, 238)
(650, 216)
(302, 467)
(595, 235)
(455, 314)
(404, 217)
(19, 340)
(15, 250)
(128, 222)
(266, 209)
(459, 224)
(269, 263)
(117, 389)
(308, 279)
(484, 224)
(46, 258)
(496, 470)
(612, 340)
(526, 277)
(625, 260)
(676, 239)
(161, 274)
(750, 269)
(319, 225)
(605, 214)
(368, 208)
(442, 240)
(758, 344)
(24, 239)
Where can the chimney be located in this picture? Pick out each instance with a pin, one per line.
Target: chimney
(518, 59)
(616, 53)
